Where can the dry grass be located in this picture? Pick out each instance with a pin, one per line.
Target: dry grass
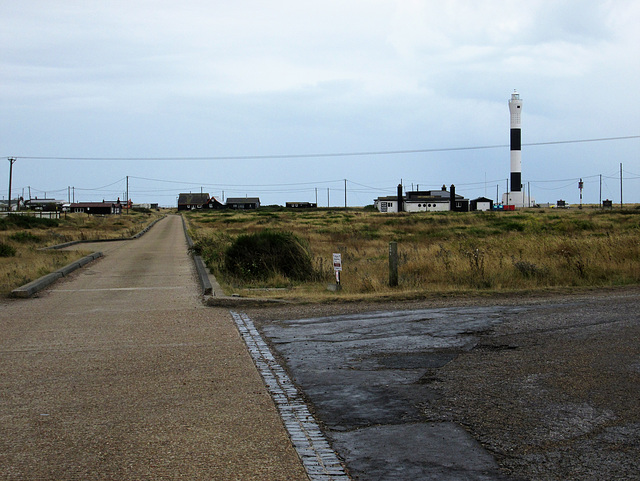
(32, 261)
(442, 252)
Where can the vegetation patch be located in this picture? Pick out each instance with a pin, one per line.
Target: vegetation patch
(6, 250)
(438, 252)
(28, 222)
(25, 237)
(265, 254)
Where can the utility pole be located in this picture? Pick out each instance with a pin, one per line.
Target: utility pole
(345, 193)
(127, 199)
(621, 185)
(316, 197)
(328, 202)
(11, 161)
(600, 202)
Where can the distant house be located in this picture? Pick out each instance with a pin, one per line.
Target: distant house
(97, 208)
(243, 202)
(45, 205)
(481, 204)
(423, 201)
(387, 204)
(192, 201)
(301, 205)
(215, 203)
(152, 206)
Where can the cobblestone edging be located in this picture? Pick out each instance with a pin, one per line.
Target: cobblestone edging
(319, 460)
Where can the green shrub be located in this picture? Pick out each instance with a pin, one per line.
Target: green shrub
(264, 254)
(6, 250)
(24, 237)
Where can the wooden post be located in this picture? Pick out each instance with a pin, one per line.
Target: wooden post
(393, 264)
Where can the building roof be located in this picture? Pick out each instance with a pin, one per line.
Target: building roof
(84, 205)
(43, 201)
(197, 199)
(243, 200)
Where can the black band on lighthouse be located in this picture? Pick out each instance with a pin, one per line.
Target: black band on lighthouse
(515, 139)
(516, 181)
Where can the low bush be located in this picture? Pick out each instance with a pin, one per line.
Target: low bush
(264, 254)
(24, 237)
(6, 250)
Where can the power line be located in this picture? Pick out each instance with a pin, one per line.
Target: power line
(330, 154)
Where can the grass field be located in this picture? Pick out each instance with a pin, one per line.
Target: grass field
(22, 239)
(438, 252)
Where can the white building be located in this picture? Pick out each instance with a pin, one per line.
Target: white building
(422, 201)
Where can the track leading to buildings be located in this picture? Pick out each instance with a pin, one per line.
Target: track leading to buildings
(118, 372)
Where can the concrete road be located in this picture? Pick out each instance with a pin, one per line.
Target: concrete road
(118, 372)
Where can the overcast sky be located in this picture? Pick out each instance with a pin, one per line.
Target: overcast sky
(202, 82)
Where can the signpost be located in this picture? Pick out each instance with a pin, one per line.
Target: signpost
(337, 266)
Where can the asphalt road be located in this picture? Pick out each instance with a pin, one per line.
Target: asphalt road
(119, 372)
(542, 389)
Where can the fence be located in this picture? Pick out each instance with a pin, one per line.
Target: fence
(46, 215)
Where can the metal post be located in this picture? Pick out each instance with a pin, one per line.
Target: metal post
(393, 264)
(600, 202)
(11, 161)
(328, 202)
(127, 199)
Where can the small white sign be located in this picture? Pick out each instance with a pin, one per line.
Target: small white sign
(337, 262)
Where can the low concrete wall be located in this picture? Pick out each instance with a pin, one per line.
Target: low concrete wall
(33, 287)
(201, 268)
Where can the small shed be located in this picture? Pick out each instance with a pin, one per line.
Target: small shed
(243, 203)
(481, 204)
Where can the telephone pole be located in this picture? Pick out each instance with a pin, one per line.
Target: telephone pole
(621, 185)
(11, 161)
(345, 193)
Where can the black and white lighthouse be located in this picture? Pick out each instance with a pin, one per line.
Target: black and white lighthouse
(515, 107)
(515, 196)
